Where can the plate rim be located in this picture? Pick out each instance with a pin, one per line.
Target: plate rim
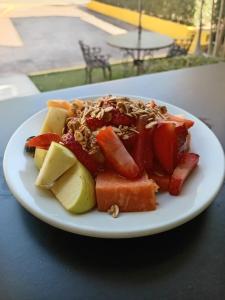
(89, 231)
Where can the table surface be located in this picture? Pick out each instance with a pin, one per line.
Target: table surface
(38, 261)
(149, 41)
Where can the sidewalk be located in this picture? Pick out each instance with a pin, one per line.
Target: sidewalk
(9, 35)
(25, 33)
(15, 85)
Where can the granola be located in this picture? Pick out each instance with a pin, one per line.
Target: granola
(102, 109)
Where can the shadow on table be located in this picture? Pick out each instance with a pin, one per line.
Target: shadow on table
(166, 251)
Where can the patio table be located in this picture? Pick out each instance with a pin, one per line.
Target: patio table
(139, 45)
(38, 261)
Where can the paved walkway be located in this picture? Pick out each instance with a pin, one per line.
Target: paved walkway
(8, 34)
(15, 85)
(10, 37)
(47, 37)
(41, 35)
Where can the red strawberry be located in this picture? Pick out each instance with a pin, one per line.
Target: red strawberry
(187, 163)
(161, 180)
(116, 154)
(119, 118)
(168, 141)
(143, 154)
(94, 123)
(182, 141)
(86, 159)
(43, 141)
(130, 143)
(181, 119)
(115, 118)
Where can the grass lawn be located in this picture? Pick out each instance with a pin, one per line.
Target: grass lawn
(76, 77)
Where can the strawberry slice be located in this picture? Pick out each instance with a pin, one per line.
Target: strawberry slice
(143, 154)
(161, 180)
(181, 119)
(164, 145)
(116, 153)
(119, 118)
(168, 141)
(43, 141)
(115, 118)
(86, 159)
(182, 141)
(131, 142)
(95, 123)
(186, 165)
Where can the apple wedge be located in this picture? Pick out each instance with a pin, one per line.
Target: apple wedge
(54, 122)
(57, 161)
(39, 157)
(75, 189)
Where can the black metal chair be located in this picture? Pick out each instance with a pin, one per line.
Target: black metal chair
(94, 58)
(180, 47)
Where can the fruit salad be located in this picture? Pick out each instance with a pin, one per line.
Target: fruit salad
(112, 153)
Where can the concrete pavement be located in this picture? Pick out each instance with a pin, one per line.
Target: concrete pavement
(8, 34)
(42, 35)
(14, 85)
(10, 37)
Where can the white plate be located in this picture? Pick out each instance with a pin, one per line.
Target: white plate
(198, 192)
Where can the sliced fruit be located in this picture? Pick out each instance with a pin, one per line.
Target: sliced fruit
(42, 143)
(44, 140)
(78, 103)
(164, 144)
(129, 195)
(95, 123)
(161, 180)
(39, 157)
(143, 154)
(168, 141)
(119, 118)
(89, 161)
(180, 118)
(27, 148)
(75, 189)
(186, 145)
(186, 165)
(130, 142)
(116, 153)
(60, 103)
(181, 137)
(114, 118)
(54, 120)
(58, 159)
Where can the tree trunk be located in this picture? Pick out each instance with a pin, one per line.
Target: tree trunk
(198, 50)
(218, 30)
(223, 52)
(221, 36)
(210, 46)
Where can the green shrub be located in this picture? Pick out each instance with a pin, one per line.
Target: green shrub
(181, 11)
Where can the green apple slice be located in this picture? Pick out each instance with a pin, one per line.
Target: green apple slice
(53, 122)
(75, 189)
(39, 157)
(57, 161)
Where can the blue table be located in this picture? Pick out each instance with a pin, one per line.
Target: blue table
(38, 261)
